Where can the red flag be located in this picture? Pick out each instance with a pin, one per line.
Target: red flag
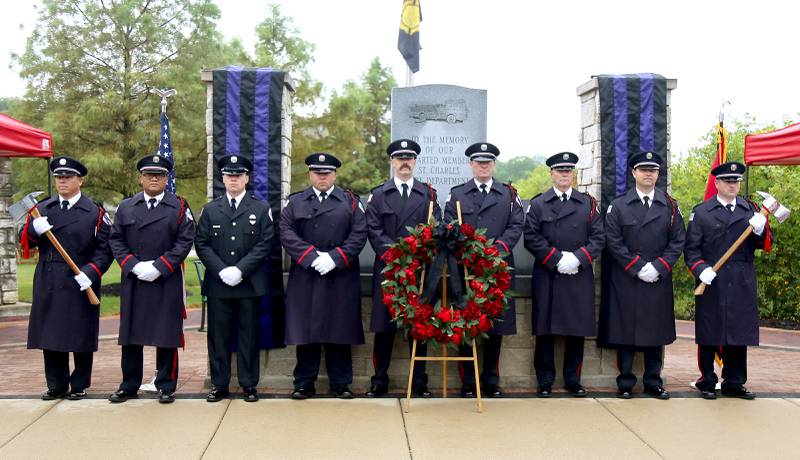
(719, 158)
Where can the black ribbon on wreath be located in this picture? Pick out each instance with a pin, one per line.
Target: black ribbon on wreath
(448, 239)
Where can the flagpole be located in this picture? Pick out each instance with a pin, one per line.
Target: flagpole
(409, 77)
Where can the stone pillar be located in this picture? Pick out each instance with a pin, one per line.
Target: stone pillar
(589, 177)
(8, 239)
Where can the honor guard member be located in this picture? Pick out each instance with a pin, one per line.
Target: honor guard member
(564, 232)
(495, 206)
(62, 319)
(645, 237)
(152, 234)
(323, 229)
(234, 235)
(394, 205)
(726, 315)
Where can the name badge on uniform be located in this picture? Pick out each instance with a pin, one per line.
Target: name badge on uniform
(216, 226)
(252, 219)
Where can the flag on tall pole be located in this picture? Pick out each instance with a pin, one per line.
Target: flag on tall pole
(720, 156)
(165, 150)
(408, 39)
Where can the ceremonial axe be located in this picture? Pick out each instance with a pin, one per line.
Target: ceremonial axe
(770, 206)
(19, 212)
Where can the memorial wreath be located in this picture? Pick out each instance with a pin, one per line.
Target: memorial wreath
(477, 302)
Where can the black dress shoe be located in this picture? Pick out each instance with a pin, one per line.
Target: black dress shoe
(468, 391)
(493, 391)
(303, 393)
(50, 395)
(708, 394)
(738, 392)
(376, 391)
(342, 392)
(545, 390)
(624, 394)
(217, 394)
(166, 397)
(250, 394)
(576, 390)
(657, 392)
(120, 396)
(422, 391)
(76, 395)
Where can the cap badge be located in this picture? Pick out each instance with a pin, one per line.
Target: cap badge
(404, 144)
(566, 156)
(733, 167)
(484, 147)
(62, 162)
(321, 158)
(234, 159)
(156, 159)
(649, 156)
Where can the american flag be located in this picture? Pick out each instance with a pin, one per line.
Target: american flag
(165, 150)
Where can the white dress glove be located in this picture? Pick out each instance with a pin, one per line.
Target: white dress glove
(41, 225)
(139, 268)
(231, 275)
(83, 281)
(150, 272)
(708, 275)
(758, 221)
(568, 264)
(648, 273)
(324, 263)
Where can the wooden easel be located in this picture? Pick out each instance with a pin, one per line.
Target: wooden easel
(444, 358)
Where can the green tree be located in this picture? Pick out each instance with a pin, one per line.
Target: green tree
(89, 66)
(355, 127)
(536, 182)
(517, 168)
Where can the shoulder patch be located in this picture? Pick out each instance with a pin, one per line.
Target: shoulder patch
(189, 214)
(269, 213)
(608, 211)
(360, 206)
(369, 198)
(448, 197)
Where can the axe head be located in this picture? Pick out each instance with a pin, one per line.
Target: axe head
(774, 207)
(19, 210)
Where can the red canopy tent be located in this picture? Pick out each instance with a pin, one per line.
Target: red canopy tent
(779, 147)
(20, 140)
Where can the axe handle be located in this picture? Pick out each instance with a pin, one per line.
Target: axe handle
(54, 241)
(702, 287)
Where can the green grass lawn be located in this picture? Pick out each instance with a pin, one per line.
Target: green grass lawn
(109, 305)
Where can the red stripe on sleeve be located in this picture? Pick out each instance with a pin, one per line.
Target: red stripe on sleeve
(504, 245)
(552, 251)
(632, 262)
(346, 263)
(122, 264)
(305, 254)
(587, 254)
(696, 264)
(665, 263)
(168, 264)
(96, 269)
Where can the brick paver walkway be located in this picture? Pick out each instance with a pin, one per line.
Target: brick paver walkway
(773, 368)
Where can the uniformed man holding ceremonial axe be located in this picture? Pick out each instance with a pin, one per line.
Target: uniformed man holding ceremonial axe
(72, 232)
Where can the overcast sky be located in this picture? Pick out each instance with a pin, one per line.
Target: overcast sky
(531, 56)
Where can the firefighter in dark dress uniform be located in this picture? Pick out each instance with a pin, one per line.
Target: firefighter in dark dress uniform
(564, 232)
(495, 206)
(726, 315)
(394, 205)
(233, 239)
(153, 233)
(62, 320)
(323, 229)
(645, 237)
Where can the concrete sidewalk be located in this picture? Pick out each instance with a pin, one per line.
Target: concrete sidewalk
(434, 429)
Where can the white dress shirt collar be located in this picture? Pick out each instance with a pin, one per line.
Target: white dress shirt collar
(71, 201)
(327, 193)
(238, 198)
(558, 193)
(399, 184)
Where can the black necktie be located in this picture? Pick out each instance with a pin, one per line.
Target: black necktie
(322, 197)
(730, 207)
(233, 204)
(646, 201)
(64, 205)
(483, 190)
(152, 202)
(563, 197)
(405, 191)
